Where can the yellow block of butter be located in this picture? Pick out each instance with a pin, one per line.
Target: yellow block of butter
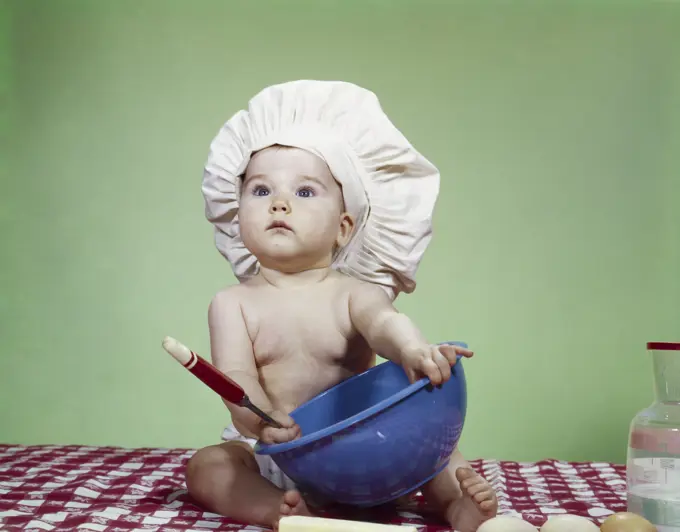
(300, 523)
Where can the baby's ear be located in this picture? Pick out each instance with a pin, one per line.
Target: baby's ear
(346, 228)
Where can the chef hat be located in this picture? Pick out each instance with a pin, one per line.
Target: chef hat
(388, 187)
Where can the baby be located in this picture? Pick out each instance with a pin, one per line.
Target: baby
(323, 210)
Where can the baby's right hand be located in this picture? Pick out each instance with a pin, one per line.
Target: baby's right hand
(289, 432)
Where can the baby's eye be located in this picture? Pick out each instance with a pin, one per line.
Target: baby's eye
(305, 192)
(260, 190)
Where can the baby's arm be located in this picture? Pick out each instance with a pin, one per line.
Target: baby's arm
(386, 330)
(232, 353)
(395, 337)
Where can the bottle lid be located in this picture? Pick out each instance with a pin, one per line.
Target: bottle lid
(663, 346)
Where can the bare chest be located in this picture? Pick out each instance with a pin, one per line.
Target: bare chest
(300, 326)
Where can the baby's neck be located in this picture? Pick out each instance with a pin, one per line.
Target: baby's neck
(280, 279)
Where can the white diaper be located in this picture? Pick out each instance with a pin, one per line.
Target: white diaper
(268, 468)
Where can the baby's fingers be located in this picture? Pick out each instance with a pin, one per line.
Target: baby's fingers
(412, 374)
(286, 435)
(451, 352)
(286, 421)
(431, 370)
(273, 435)
(443, 364)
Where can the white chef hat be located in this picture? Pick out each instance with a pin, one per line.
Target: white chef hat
(388, 187)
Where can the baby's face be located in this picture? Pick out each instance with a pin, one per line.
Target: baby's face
(291, 212)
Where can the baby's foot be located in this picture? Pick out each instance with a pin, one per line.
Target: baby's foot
(292, 503)
(477, 504)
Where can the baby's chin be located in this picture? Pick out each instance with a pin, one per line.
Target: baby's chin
(292, 261)
(285, 260)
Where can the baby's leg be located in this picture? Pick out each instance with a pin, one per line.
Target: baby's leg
(225, 479)
(461, 495)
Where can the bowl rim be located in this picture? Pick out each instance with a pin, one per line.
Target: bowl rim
(275, 448)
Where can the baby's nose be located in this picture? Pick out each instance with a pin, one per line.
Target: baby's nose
(279, 206)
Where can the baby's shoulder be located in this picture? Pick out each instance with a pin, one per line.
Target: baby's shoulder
(353, 287)
(352, 283)
(344, 283)
(228, 293)
(230, 297)
(231, 306)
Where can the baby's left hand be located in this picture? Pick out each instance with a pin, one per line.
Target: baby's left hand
(432, 361)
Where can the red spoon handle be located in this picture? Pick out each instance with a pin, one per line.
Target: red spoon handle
(206, 372)
(216, 380)
(212, 377)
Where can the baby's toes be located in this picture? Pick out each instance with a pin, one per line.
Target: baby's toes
(292, 498)
(289, 501)
(488, 505)
(468, 478)
(477, 491)
(484, 498)
(465, 476)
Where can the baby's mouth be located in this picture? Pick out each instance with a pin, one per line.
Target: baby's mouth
(278, 224)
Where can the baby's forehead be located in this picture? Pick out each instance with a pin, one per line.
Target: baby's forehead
(288, 162)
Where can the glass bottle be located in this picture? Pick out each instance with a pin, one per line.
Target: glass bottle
(653, 463)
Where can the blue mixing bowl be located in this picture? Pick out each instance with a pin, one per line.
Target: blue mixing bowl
(374, 437)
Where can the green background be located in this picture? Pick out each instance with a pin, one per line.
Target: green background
(557, 236)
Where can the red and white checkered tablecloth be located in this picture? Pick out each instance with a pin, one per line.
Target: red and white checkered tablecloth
(106, 489)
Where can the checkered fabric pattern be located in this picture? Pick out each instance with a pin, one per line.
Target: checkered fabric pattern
(73, 488)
